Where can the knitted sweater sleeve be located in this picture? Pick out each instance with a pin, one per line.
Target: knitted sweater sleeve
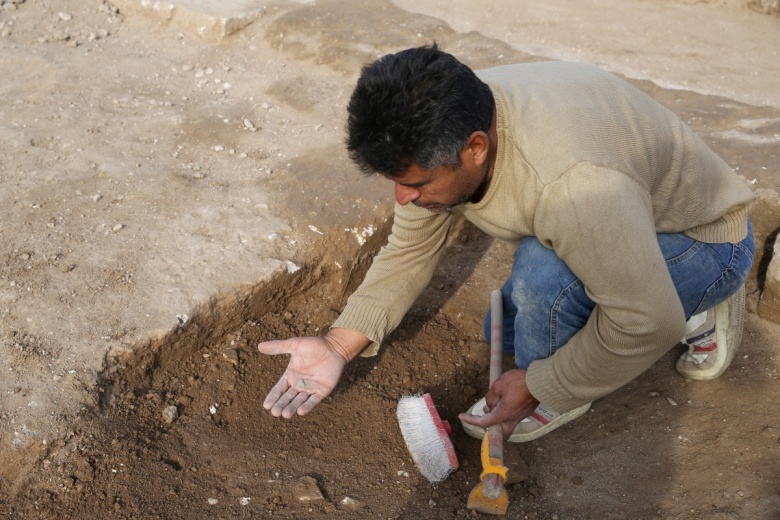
(398, 274)
(600, 223)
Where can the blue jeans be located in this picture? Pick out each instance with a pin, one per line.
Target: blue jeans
(554, 305)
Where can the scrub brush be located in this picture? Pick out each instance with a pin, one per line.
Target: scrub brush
(427, 437)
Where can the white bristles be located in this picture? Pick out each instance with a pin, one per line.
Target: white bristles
(423, 439)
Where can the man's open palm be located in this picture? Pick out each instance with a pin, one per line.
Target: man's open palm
(313, 372)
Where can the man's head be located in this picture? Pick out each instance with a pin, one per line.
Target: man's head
(418, 107)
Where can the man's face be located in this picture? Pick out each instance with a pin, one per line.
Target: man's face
(440, 189)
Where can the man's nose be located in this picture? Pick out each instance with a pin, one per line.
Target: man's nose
(404, 194)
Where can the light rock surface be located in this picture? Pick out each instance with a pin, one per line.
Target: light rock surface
(210, 20)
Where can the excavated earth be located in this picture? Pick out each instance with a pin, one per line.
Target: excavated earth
(120, 125)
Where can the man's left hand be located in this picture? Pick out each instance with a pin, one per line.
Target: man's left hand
(508, 402)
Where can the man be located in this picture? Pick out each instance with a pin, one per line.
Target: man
(627, 226)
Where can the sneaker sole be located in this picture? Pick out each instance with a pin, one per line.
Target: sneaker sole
(726, 313)
(550, 426)
(479, 433)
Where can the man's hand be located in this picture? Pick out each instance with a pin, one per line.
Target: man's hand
(507, 402)
(315, 367)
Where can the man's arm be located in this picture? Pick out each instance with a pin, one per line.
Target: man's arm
(399, 273)
(600, 222)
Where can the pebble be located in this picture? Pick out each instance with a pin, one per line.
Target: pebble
(305, 489)
(65, 17)
(244, 501)
(250, 125)
(232, 356)
(351, 503)
(96, 198)
(213, 501)
(118, 227)
(170, 414)
(219, 148)
(671, 401)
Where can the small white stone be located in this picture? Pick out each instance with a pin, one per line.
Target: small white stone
(65, 17)
(96, 198)
(170, 414)
(118, 227)
(219, 148)
(213, 501)
(244, 501)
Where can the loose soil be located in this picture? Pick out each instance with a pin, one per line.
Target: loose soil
(174, 426)
(662, 447)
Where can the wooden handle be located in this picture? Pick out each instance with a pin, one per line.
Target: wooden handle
(493, 485)
(496, 335)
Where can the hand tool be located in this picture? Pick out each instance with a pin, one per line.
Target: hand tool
(427, 437)
(490, 496)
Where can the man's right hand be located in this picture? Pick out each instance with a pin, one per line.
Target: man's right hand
(316, 365)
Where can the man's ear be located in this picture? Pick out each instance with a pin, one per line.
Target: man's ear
(478, 147)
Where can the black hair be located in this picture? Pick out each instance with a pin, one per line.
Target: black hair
(418, 106)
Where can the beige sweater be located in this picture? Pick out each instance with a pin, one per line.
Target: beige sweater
(593, 168)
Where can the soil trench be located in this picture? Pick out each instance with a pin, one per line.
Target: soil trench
(181, 433)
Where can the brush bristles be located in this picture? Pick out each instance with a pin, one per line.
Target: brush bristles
(423, 439)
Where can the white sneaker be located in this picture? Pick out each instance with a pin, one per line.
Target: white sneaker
(712, 338)
(539, 423)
